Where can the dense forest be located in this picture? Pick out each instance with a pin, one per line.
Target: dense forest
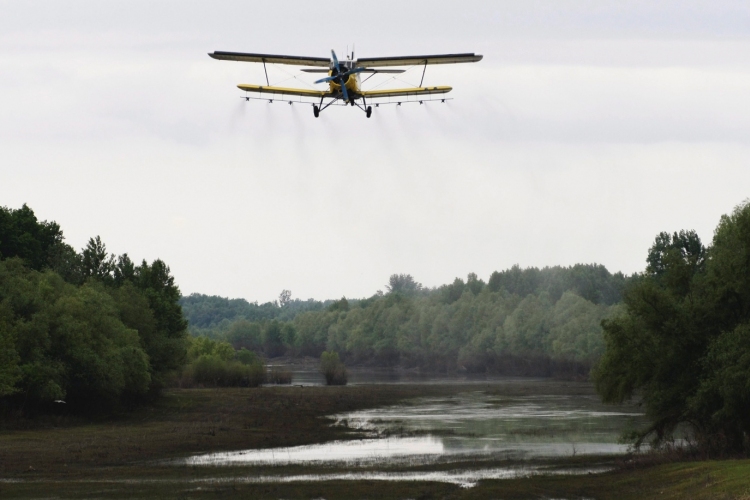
(522, 321)
(87, 328)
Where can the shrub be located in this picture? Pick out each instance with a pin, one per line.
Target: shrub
(332, 368)
(211, 370)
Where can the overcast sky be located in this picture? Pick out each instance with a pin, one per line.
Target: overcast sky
(588, 128)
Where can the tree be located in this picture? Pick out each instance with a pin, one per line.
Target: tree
(285, 297)
(96, 263)
(683, 343)
(273, 344)
(167, 348)
(403, 284)
(474, 284)
(23, 236)
(62, 341)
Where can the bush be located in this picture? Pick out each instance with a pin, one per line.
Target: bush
(332, 368)
(213, 371)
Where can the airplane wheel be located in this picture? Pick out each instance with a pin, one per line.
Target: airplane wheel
(316, 111)
(369, 111)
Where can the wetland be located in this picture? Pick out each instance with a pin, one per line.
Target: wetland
(463, 438)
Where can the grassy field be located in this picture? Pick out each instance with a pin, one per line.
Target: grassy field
(65, 457)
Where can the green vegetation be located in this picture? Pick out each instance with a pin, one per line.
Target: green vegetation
(522, 321)
(217, 364)
(333, 369)
(208, 314)
(90, 329)
(682, 344)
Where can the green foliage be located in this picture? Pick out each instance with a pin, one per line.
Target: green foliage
(403, 284)
(23, 236)
(204, 346)
(205, 312)
(214, 371)
(591, 281)
(332, 368)
(273, 344)
(682, 344)
(464, 325)
(96, 262)
(339, 305)
(89, 328)
(216, 363)
(10, 373)
(68, 341)
(247, 357)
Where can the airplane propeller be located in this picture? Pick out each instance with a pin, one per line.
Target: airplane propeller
(340, 77)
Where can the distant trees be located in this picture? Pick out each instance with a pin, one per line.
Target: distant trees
(210, 315)
(592, 282)
(682, 344)
(403, 283)
(89, 328)
(466, 325)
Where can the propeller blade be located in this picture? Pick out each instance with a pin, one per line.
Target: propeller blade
(326, 79)
(335, 59)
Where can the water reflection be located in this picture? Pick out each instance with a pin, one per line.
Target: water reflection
(480, 421)
(463, 478)
(306, 376)
(362, 451)
(454, 428)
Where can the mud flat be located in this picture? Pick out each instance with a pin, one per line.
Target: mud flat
(512, 438)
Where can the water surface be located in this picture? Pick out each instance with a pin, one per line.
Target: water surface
(475, 424)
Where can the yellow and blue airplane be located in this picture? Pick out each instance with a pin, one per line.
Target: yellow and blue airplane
(343, 79)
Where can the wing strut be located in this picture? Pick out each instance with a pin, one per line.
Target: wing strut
(423, 72)
(264, 69)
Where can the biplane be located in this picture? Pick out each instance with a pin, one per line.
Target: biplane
(343, 79)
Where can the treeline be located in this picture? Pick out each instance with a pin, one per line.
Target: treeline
(85, 328)
(521, 321)
(682, 345)
(207, 313)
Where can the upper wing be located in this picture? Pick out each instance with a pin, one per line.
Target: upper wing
(282, 90)
(415, 91)
(372, 62)
(270, 58)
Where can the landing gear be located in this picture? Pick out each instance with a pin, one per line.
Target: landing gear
(368, 111)
(316, 110)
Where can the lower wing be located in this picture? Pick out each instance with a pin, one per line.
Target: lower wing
(283, 90)
(415, 91)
